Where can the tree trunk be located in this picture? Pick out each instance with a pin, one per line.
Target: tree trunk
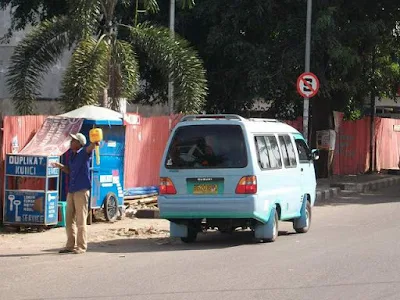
(104, 102)
(109, 8)
(322, 119)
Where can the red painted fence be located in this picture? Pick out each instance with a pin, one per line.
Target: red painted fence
(352, 147)
(387, 144)
(145, 145)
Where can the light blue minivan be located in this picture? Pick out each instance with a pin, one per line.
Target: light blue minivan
(224, 172)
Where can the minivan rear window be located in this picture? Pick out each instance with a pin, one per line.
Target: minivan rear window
(207, 146)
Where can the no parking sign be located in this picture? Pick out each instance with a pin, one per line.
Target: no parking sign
(307, 85)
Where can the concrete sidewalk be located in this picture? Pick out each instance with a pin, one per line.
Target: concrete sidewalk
(328, 188)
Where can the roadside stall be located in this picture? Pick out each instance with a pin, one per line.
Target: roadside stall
(34, 204)
(34, 189)
(108, 175)
(31, 183)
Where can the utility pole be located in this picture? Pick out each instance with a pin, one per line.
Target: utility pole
(170, 81)
(306, 104)
(373, 113)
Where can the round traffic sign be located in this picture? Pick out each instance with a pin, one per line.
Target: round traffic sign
(307, 85)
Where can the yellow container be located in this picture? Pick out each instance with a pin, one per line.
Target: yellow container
(96, 135)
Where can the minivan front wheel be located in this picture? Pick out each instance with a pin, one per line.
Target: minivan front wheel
(303, 228)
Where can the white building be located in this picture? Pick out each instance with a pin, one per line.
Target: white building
(51, 83)
(388, 108)
(47, 104)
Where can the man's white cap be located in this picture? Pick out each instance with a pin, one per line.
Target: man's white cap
(79, 137)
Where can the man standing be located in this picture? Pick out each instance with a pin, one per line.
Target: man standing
(79, 185)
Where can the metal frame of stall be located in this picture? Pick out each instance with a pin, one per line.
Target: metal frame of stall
(27, 207)
(107, 191)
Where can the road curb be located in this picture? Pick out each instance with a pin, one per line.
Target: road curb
(367, 186)
(323, 195)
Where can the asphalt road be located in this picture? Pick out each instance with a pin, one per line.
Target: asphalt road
(351, 252)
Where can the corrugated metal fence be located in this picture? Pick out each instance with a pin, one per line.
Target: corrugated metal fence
(387, 144)
(145, 145)
(352, 147)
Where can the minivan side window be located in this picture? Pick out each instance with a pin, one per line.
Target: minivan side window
(273, 149)
(288, 152)
(303, 150)
(268, 152)
(262, 152)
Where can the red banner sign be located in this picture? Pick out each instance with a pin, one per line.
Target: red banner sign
(53, 137)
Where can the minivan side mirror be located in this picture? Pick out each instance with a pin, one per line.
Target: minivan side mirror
(314, 154)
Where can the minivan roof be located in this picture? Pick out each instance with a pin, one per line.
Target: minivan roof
(251, 124)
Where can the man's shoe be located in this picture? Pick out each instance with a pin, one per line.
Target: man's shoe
(65, 251)
(79, 251)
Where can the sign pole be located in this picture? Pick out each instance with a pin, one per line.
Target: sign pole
(306, 106)
(170, 79)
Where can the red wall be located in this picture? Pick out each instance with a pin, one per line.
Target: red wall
(387, 144)
(145, 145)
(352, 147)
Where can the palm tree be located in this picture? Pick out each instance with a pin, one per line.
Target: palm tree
(103, 64)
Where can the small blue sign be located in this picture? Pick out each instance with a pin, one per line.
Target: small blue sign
(51, 171)
(31, 166)
(23, 207)
(52, 208)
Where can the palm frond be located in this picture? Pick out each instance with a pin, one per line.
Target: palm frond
(125, 3)
(124, 73)
(87, 73)
(32, 58)
(151, 6)
(84, 14)
(187, 3)
(108, 9)
(175, 57)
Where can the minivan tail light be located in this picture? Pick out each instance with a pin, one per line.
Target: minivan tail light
(247, 185)
(167, 186)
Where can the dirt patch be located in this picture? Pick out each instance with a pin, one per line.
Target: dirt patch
(98, 232)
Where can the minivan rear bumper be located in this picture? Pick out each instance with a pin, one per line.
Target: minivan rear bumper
(180, 207)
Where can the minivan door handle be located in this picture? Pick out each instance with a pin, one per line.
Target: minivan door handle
(301, 169)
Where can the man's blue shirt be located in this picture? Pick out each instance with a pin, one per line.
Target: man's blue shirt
(79, 175)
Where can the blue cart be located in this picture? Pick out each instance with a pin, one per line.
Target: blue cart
(108, 177)
(30, 190)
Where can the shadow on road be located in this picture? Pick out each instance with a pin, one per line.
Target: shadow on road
(27, 255)
(209, 241)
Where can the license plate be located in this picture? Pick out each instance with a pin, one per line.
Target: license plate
(205, 189)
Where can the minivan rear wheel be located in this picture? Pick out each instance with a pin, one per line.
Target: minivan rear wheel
(191, 236)
(275, 230)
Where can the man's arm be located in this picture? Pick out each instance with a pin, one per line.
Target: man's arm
(90, 148)
(63, 168)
